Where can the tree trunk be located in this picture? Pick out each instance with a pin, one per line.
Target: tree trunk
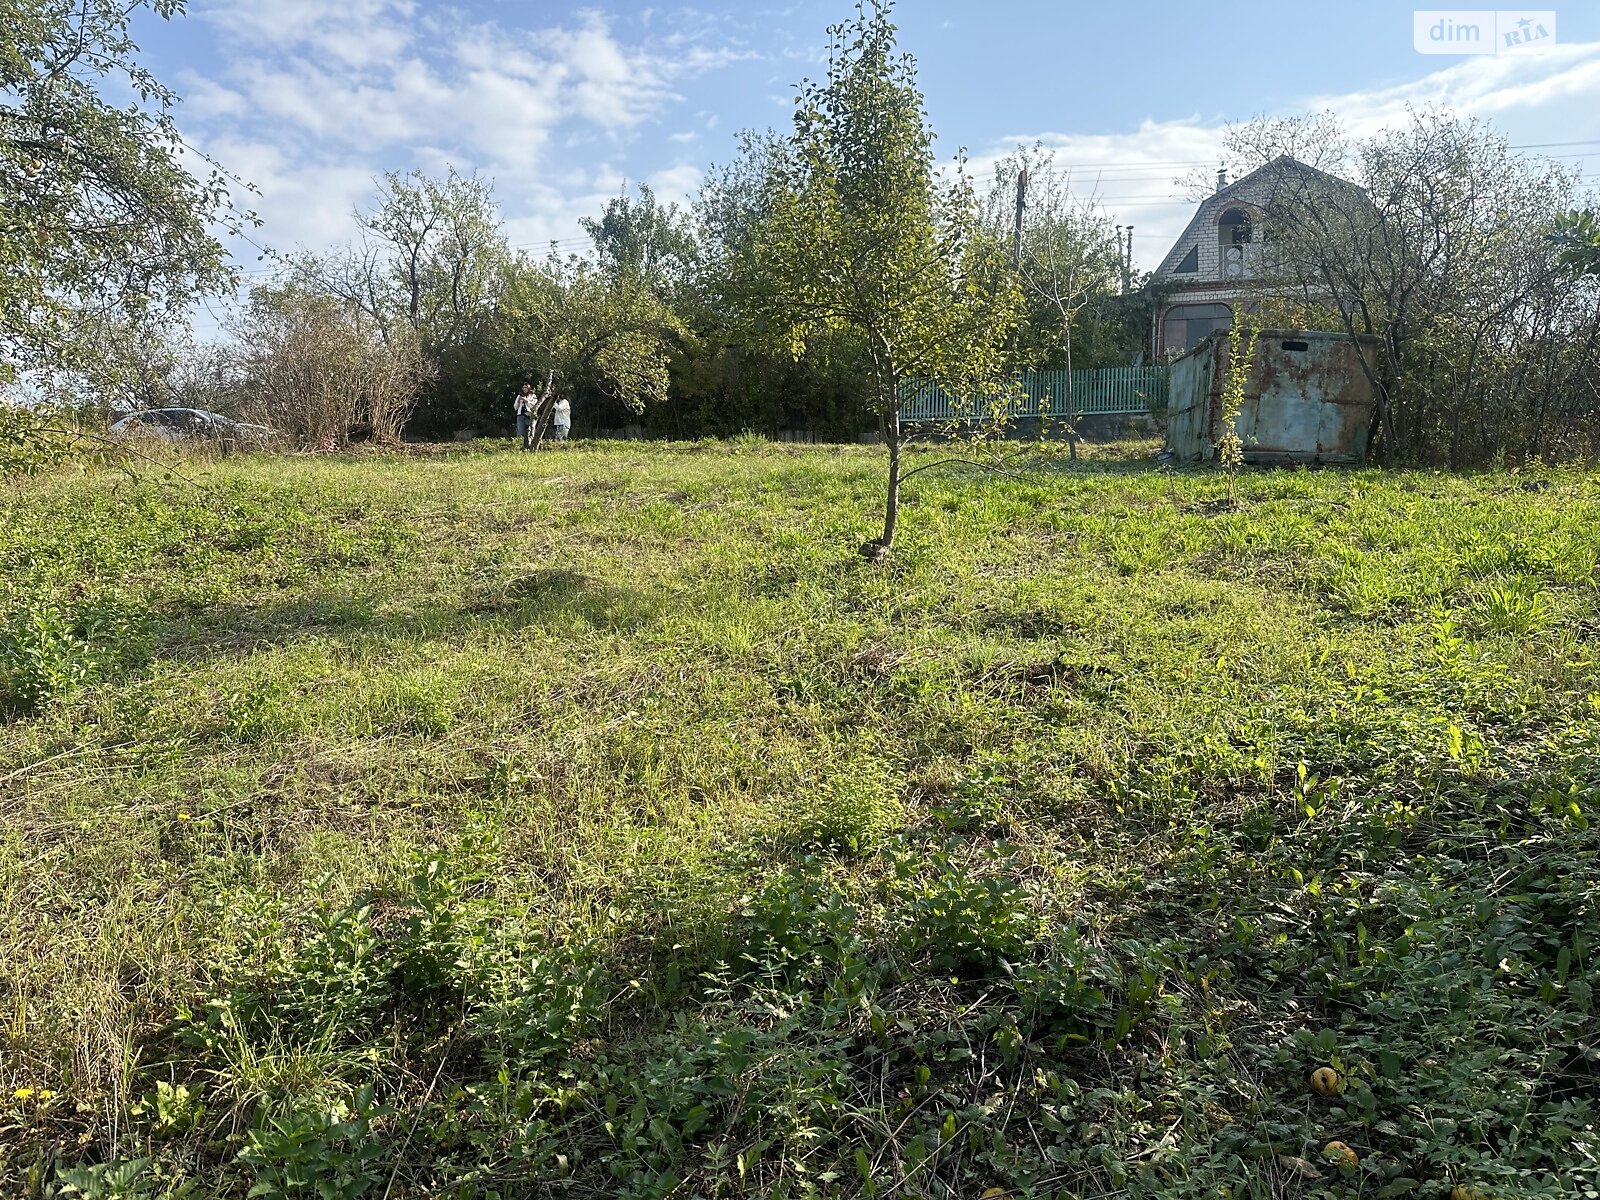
(891, 500)
(541, 413)
(1072, 403)
(878, 551)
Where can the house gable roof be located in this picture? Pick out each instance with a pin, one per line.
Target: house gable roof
(1237, 192)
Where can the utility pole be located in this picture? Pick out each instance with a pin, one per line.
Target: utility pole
(1016, 229)
(1127, 265)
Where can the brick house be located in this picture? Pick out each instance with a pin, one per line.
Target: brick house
(1210, 267)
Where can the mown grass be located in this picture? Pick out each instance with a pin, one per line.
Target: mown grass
(600, 824)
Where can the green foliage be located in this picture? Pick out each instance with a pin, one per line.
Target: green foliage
(326, 1153)
(1484, 328)
(1070, 263)
(960, 919)
(48, 651)
(32, 440)
(1241, 361)
(135, 1179)
(862, 237)
(442, 259)
(1577, 236)
(102, 219)
(852, 809)
(857, 237)
(171, 1108)
(576, 324)
(1517, 606)
(645, 240)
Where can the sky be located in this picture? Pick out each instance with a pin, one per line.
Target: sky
(564, 105)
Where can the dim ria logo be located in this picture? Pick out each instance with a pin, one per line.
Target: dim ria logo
(1481, 31)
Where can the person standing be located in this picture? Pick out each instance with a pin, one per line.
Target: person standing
(524, 406)
(561, 419)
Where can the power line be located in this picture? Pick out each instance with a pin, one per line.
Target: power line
(1542, 145)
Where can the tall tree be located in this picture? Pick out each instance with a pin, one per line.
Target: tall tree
(435, 256)
(429, 268)
(864, 236)
(645, 239)
(101, 219)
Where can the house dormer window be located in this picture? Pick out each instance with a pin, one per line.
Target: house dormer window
(1235, 227)
(1235, 233)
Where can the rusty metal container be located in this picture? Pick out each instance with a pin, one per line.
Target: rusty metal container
(1306, 399)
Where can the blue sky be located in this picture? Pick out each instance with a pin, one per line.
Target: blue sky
(562, 104)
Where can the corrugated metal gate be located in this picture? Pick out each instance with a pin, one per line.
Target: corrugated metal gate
(1114, 390)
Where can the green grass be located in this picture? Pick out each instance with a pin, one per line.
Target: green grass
(601, 824)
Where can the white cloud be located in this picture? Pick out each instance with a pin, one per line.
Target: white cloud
(205, 99)
(358, 33)
(604, 83)
(1482, 85)
(312, 98)
(676, 183)
(306, 204)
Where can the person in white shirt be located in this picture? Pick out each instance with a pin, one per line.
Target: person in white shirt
(524, 406)
(561, 419)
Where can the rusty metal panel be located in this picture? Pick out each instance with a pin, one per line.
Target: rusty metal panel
(1189, 405)
(1306, 399)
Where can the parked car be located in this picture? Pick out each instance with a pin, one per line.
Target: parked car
(192, 424)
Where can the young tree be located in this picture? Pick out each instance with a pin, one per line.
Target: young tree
(863, 236)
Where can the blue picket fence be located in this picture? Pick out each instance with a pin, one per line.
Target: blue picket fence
(1112, 390)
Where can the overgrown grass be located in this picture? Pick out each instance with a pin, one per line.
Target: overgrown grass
(599, 824)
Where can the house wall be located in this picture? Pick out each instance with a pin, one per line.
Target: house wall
(1204, 232)
(1208, 285)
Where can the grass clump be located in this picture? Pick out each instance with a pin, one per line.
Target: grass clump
(851, 810)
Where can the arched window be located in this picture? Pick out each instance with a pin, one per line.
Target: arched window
(1186, 324)
(1235, 231)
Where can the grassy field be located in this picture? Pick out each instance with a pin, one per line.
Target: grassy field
(600, 824)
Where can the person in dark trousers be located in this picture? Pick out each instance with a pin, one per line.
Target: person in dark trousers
(524, 406)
